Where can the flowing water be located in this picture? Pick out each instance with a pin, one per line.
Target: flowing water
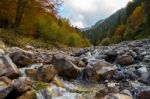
(39, 95)
(23, 70)
(78, 89)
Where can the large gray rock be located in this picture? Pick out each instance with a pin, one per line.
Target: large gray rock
(99, 69)
(145, 94)
(125, 60)
(64, 66)
(22, 84)
(7, 67)
(126, 92)
(5, 87)
(143, 71)
(113, 88)
(117, 96)
(21, 58)
(111, 56)
(146, 58)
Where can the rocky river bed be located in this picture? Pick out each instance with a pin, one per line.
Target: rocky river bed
(120, 71)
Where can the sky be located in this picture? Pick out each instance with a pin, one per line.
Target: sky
(84, 13)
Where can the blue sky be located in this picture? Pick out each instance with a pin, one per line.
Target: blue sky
(84, 13)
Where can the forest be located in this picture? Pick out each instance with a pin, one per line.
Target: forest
(36, 23)
(129, 23)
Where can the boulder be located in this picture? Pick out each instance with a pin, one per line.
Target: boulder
(133, 54)
(111, 56)
(5, 87)
(45, 73)
(143, 71)
(90, 74)
(145, 94)
(112, 87)
(117, 96)
(7, 67)
(22, 84)
(65, 67)
(21, 58)
(80, 62)
(41, 72)
(126, 92)
(148, 80)
(146, 58)
(125, 60)
(101, 94)
(88, 54)
(99, 69)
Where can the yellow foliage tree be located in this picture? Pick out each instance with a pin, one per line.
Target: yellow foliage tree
(137, 16)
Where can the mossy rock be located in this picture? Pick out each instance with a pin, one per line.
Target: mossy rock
(41, 85)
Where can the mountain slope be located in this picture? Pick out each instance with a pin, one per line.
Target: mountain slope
(100, 29)
(127, 23)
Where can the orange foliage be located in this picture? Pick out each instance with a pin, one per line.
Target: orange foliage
(120, 30)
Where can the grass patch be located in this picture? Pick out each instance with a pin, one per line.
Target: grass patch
(13, 39)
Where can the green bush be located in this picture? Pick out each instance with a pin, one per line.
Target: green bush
(129, 34)
(116, 39)
(144, 34)
(105, 41)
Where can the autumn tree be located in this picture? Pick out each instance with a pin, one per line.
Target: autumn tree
(48, 5)
(120, 30)
(132, 5)
(137, 16)
(7, 12)
(38, 20)
(21, 4)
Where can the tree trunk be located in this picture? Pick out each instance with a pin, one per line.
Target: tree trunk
(19, 13)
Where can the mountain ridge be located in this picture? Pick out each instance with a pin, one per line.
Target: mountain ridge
(129, 21)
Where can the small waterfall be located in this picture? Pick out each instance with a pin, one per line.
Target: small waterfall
(39, 95)
(81, 76)
(23, 70)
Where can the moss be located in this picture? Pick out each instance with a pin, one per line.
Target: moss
(40, 85)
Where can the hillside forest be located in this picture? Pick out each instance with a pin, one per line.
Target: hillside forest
(37, 23)
(129, 23)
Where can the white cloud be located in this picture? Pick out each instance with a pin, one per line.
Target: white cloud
(84, 13)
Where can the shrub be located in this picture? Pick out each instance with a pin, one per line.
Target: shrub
(116, 39)
(105, 41)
